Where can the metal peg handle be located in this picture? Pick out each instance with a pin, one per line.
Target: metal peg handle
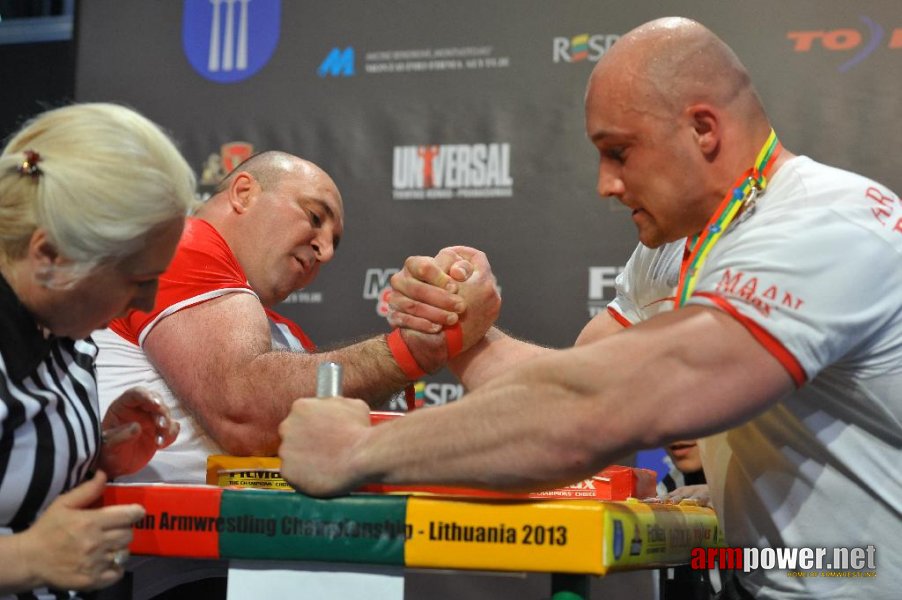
(328, 380)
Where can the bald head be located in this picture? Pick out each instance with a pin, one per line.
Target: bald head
(269, 167)
(282, 217)
(675, 119)
(674, 62)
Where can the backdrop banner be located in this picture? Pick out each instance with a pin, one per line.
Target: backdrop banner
(462, 123)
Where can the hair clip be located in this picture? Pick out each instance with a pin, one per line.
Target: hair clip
(30, 166)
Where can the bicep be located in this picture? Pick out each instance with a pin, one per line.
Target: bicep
(197, 349)
(684, 374)
(601, 326)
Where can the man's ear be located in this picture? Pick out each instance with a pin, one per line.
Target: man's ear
(242, 191)
(705, 123)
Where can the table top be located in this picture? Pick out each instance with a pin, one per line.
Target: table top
(567, 536)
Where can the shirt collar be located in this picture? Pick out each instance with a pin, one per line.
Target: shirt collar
(22, 344)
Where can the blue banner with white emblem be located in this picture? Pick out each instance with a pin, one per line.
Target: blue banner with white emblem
(230, 40)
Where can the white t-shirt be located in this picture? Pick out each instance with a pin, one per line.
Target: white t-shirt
(814, 273)
(647, 284)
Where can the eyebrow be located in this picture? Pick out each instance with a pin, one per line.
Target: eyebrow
(604, 133)
(326, 208)
(598, 136)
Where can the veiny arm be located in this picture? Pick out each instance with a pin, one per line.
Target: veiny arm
(497, 353)
(555, 420)
(217, 358)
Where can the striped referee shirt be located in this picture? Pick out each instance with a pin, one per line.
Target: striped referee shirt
(49, 417)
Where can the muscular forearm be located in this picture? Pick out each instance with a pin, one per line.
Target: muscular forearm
(368, 369)
(242, 411)
(523, 430)
(566, 415)
(496, 354)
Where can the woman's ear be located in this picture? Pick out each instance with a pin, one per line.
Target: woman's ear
(44, 256)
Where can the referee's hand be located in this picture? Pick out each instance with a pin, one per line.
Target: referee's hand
(136, 425)
(75, 547)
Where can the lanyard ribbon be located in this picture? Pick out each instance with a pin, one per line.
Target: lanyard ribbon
(743, 193)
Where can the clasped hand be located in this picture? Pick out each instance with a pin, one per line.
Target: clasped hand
(456, 286)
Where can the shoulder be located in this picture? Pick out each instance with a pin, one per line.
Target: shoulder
(202, 269)
(200, 234)
(648, 281)
(811, 191)
(810, 210)
(663, 255)
(201, 239)
(659, 265)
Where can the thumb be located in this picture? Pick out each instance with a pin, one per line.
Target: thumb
(461, 270)
(82, 496)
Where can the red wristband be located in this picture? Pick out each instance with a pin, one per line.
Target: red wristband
(454, 339)
(402, 355)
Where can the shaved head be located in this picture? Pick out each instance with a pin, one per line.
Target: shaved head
(269, 167)
(282, 217)
(674, 62)
(675, 118)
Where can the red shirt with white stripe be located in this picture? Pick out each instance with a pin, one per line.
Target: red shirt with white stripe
(203, 268)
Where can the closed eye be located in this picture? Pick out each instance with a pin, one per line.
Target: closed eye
(315, 219)
(616, 154)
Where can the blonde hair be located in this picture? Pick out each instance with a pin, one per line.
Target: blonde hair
(107, 176)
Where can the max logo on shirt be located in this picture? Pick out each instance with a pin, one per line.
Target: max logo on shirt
(759, 294)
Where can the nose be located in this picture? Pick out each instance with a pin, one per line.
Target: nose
(609, 181)
(324, 247)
